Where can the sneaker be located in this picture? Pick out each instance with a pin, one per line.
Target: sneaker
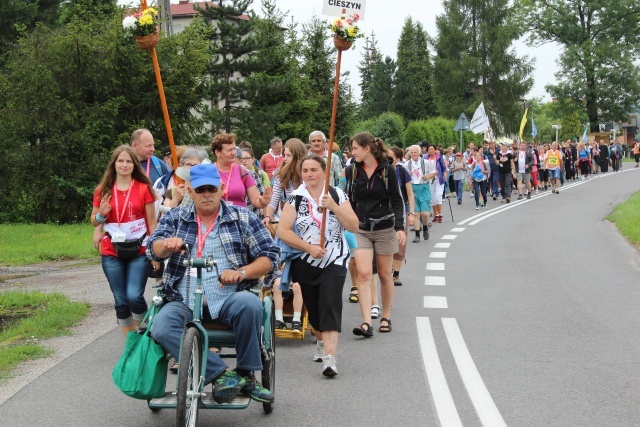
(460, 202)
(416, 239)
(296, 326)
(375, 311)
(494, 197)
(557, 191)
(329, 368)
(519, 196)
(227, 386)
(319, 352)
(425, 233)
(528, 195)
(508, 200)
(477, 207)
(281, 325)
(256, 391)
(537, 192)
(396, 281)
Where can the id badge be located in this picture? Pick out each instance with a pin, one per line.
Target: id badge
(315, 240)
(193, 272)
(417, 181)
(229, 203)
(118, 237)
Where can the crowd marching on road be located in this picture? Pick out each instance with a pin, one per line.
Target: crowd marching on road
(233, 209)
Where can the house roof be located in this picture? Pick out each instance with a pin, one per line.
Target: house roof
(189, 9)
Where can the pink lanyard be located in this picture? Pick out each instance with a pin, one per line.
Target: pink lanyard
(313, 217)
(226, 188)
(201, 238)
(126, 200)
(148, 165)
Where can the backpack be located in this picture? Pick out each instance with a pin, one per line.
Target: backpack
(351, 172)
(403, 189)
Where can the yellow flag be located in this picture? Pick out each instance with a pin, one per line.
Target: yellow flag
(523, 123)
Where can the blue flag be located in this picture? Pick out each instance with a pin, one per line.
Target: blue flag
(584, 135)
(534, 129)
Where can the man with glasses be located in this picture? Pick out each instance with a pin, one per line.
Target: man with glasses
(244, 252)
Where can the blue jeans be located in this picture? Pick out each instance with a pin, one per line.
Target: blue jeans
(495, 177)
(480, 187)
(459, 188)
(242, 311)
(127, 280)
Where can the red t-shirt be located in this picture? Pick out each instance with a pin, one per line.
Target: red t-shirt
(131, 217)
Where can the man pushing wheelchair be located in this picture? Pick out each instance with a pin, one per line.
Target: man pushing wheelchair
(244, 251)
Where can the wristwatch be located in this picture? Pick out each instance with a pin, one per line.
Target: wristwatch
(244, 275)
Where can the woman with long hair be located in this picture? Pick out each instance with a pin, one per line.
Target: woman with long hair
(237, 179)
(435, 163)
(123, 203)
(286, 178)
(376, 199)
(320, 270)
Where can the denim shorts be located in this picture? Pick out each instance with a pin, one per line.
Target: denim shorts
(555, 173)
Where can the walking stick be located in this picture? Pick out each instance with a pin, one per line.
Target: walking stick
(450, 210)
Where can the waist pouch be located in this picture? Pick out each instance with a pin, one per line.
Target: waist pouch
(128, 250)
(372, 223)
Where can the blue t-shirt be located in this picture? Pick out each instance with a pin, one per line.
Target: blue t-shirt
(403, 178)
(153, 170)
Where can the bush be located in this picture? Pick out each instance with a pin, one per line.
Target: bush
(388, 126)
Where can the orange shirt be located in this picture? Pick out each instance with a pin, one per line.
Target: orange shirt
(554, 159)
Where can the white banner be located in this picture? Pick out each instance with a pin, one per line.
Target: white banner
(480, 121)
(334, 7)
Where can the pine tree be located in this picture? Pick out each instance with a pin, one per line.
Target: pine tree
(233, 48)
(370, 57)
(413, 99)
(475, 62)
(379, 99)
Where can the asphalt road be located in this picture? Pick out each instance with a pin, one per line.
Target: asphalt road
(527, 316)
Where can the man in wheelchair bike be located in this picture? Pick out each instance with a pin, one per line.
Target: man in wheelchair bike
(244, 251)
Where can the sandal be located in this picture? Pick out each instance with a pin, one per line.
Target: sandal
(361, 331)
(383, 328)
(353, 297)
(174, 368)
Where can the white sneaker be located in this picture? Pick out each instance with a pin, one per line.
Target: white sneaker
(329, 368)
(319, 352)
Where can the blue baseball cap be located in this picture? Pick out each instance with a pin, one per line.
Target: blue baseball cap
(205, 174)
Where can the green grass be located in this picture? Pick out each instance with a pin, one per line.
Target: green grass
(49, 315)
(626, 216)
(22, 244)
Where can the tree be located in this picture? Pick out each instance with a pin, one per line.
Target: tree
(378, 99)
(475, 62)
(276, 95)
(370, 57)
(412, 97)
(233, 47)
(598, 60)
(69, 96)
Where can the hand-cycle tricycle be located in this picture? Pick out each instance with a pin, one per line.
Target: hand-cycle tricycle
(198, 337)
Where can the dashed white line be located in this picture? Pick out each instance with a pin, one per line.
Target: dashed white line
(457, 230)
(440, 393)
(434, 281)
(442, 245)
(449, 236)
(435, 266)
(435, 302)
(480, 397)
(438, 255)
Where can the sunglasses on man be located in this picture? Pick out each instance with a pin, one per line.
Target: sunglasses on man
(203, 188)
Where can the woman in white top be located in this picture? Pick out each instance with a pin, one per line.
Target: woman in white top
(320, 270)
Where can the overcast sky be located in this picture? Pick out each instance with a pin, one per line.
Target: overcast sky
(386, 19)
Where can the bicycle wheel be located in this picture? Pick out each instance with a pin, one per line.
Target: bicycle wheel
(188, 394)
(269, 363)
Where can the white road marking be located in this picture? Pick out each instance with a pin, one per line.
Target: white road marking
(480, 397)
(435, 302)
(449, 236)
(434, 281)
(457, 230)
(436, 266)
(438, 255)
(442, 245)
(440, 393)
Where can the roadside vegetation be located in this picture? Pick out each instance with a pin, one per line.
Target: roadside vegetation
(626, 216)
(28, 317)
(22, 244)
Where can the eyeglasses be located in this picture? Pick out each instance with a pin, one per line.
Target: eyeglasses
(203, 188)
(190, 165)
(245, 158)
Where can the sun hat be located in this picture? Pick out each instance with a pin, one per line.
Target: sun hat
(204, 174)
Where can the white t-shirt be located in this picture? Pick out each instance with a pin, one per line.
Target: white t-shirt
(522, 155)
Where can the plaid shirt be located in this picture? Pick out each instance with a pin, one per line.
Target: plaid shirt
(244, 239)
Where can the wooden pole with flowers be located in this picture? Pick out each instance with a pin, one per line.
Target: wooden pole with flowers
(143, 26)
(345, 32)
